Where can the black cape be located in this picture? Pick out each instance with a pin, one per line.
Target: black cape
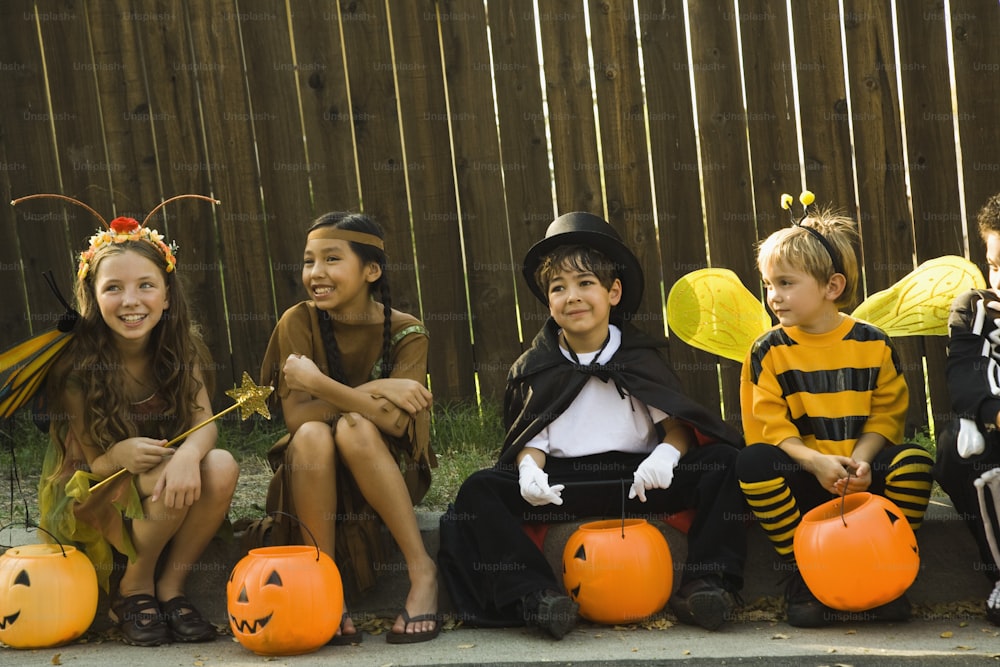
(542, 383)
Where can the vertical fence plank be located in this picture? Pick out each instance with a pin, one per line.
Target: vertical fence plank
(823, 110)
(284, 169)
(478, 170)
(33, 235)
(676, 188)
(624, 148)
(124, 109)
(885, 222)
(975, 25)
(725, 169)
(768, 71)
(326, 110)
(381, 165)
(232, 168)
(523, 145)
(938, 226)
(83, 161)
(570, 98)
(434, 206)
(182, 167)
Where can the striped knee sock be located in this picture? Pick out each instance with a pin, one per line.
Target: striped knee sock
(908, 483)
(775, 507)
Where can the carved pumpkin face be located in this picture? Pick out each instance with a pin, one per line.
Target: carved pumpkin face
(284, 600)
(616, 579)
(868, 562)
(47, 598)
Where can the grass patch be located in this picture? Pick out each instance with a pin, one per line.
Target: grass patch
(465, 437)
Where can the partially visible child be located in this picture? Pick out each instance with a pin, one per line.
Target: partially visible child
(592, 401)
(135, 375)
(973, 371)
(350, 374)
(823, 401)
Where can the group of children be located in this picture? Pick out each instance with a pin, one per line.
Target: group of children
(593, 400)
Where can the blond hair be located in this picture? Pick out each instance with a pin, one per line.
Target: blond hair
(799, 249)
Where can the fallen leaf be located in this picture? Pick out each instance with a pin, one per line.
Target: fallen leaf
(779, 635)
(851, 632)
(466, 646)
(685, 652)
(965, 648)
(57, 659)
(947, 634)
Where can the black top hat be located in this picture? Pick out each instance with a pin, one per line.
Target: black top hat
(586, 229)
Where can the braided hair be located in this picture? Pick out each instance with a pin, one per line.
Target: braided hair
(358, 222)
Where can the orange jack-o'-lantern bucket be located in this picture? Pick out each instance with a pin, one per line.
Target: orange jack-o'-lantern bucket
(856, 552)
(618, 571)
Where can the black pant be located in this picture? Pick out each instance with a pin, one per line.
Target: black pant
(956, 476)
(488, 562)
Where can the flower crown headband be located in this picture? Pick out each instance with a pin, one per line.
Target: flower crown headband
(806, 199)
(122, 229)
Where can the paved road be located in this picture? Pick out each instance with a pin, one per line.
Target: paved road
(936, 641)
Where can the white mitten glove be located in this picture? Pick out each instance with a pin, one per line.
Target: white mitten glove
(656, 471)
(535, 484)
(970, 440)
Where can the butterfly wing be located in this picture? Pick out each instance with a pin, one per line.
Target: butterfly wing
(711, 309)
(918, 304)
(23, 368)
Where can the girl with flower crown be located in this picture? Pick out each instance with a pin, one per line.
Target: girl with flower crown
(135, 375)
(350, 374)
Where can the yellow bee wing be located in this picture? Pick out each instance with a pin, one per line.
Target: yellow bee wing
(918, 304)
(711, 309)
(24, 366)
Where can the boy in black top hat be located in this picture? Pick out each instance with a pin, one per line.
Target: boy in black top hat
(592, 400)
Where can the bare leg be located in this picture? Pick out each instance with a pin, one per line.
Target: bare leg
(219, 472)
(311, 462)
(364, 452)
(149, 537)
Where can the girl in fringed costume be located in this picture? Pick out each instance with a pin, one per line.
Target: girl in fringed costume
(350, 374)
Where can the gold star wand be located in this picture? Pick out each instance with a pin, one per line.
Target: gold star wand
(249, 397)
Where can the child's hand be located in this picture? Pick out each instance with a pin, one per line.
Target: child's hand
(859, 480)
(137, 455)
(298, 369)
(655, 472)
(535, 484)
(180, 482)
(829, 469)
(405, 394)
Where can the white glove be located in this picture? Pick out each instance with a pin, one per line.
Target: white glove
(970, 440)
(535, 484)
(656, 471)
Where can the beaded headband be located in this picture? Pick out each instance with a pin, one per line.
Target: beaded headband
(337, 234)
(806, 199)
(122, 229)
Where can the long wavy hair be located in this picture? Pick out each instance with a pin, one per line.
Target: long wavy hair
(378, 289)
(93, 365)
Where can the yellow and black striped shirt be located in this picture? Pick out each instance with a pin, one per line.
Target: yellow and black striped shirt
(827, 389)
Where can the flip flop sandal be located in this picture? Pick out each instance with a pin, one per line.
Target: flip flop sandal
(414, 637)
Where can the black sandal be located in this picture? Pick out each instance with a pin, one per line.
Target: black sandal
(185, 622)
(140, 620)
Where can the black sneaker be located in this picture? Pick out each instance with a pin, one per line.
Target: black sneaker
(551, 611)
(703, 602)
(802, 607)
(897, 610)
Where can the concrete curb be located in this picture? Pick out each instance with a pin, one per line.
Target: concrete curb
(948, 568)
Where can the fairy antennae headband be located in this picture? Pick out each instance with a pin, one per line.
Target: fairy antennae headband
(806, 199)
(122, 229)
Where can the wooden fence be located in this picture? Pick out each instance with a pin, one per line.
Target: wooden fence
(465, 126)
